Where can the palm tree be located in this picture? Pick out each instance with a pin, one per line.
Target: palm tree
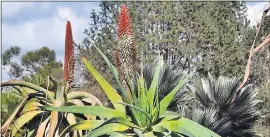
(214, 108)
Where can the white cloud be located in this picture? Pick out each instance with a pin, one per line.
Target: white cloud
(13, 8)
(255, 11)
(33, 34)
(50, 32)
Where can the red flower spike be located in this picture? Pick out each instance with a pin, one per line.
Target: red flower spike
(124, 26)
(69, 54)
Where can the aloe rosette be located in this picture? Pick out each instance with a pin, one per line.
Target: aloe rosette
(32, 106)
(146, 115)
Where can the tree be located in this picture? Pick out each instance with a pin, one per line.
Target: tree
(35, 61)
(15, 69)
(200, 37)
(8, 54)
(42, 61)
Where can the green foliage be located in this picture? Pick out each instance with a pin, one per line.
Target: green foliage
(144, 116)
(9, 101)
(8, 54)
(37, 79)
(42, 61)
(215, 107)
(15, 69)
(168, 79)
(263, 125)
(197, 36)
(261, 60)
(30, 110)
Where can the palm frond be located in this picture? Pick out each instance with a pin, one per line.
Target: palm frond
(214, 109)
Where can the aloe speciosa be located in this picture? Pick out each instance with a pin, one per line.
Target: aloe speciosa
(31, 108)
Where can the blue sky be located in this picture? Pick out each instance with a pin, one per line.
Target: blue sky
(31, 25)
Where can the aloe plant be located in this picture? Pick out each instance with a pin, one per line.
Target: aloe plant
(48, 93)
(144, 115)
(36, 98)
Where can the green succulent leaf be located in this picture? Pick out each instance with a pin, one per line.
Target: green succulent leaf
(165, 102)
(70, 117)
(30, 106)
(186, 127)
(169, 115)
(31, 133)
(151, 134)
(116, 75)
(113, 69)
(140, 110)
(29, 85)
(100, 111)
(117, 134)
(29, 90)
(83, 125)
(138, 132)
(23, 120)
(107, 88)
(154, 84)
(143, 102)
(124, 121)
(108, 129)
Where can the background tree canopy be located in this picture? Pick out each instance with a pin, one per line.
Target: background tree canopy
(42, 61)
(200, 37)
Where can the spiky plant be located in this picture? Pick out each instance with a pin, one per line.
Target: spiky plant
(30, 110)
(168, 79)
(145, 116)
(213, 108)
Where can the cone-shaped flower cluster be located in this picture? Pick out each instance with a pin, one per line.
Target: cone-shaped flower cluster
(125, 33)
(69, 55)
(125, 52)
(124, 26)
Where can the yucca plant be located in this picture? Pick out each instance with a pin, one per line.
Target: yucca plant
(31, 108)
(213, 108)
